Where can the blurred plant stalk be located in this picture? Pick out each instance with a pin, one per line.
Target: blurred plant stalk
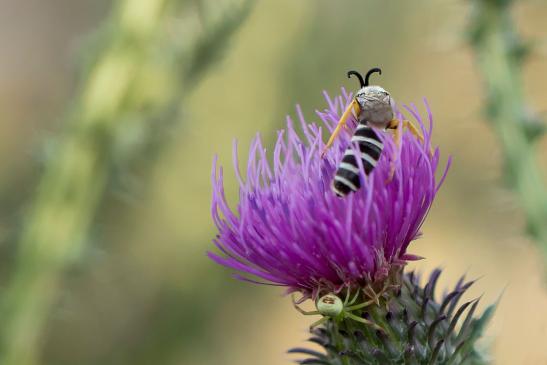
(500, 54)
(132, 88)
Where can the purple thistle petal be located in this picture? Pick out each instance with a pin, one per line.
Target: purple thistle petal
(290, 229)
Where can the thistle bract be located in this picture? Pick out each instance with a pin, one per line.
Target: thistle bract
(288, 227)
(418, 327)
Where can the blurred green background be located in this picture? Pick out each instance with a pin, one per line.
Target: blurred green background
(139, 289)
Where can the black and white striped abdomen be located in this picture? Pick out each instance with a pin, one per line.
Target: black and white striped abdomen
(370, 145)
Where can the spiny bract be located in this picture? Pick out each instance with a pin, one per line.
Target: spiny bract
(418, 329)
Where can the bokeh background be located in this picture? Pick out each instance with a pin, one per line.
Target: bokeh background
(139, 289)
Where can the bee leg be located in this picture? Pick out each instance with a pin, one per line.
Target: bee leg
(412, 129)
(397, 137)
(416, 133)
(354, 113)
(391, 170)
(352, 109)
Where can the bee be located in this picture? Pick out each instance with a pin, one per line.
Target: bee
(373, 109)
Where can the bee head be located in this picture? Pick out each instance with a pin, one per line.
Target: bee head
(376, 105)
(375, 92)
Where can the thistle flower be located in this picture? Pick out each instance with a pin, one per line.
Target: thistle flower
(290, 229)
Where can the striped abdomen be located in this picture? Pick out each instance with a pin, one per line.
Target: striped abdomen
(370, 145)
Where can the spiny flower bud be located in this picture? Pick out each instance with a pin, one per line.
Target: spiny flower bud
(346, 248)
(417, 328)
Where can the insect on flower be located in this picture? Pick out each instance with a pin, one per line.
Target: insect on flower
(372, 107)
(331, 306)
(287, 228)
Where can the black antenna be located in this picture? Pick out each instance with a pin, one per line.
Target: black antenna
(358, 76)
(372, 70)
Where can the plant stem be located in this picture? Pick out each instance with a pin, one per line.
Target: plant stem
(72, 186)
(130, 84)
(499, 55)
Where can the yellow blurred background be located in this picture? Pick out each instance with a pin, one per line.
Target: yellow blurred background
(143, 291)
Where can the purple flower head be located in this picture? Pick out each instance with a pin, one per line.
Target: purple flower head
(290, 229)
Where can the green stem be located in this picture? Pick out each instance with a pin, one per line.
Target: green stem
(72, 186)
(499, 55)
(138, 78)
